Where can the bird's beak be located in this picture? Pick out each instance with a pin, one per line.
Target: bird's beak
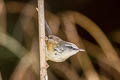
(81, 50)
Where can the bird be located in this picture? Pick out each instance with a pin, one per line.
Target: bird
(58, 50)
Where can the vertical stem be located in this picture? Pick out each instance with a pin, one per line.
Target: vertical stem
(0, 76)
(3, 27)
(41, 22)
(2, 16)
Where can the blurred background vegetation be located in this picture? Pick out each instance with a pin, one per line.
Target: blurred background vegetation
(21, 23)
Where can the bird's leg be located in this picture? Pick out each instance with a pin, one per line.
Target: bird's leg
(47, 65)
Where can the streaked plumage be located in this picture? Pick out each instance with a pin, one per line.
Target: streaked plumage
(58, 50)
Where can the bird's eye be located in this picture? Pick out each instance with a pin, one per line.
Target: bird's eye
(55, 49)
(73, 48)
(55, 53)
(69, 46)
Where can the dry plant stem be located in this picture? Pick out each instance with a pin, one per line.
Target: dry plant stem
(83, 58)
(28, 62)
(30, 74)
(108, 71)
(3, 27)
(95, 31)
(53, 20)
(0, 76)
(96, 52)
(19, 51)
(8, 43)
(98, 55)
(27, 24)
(31, 59)
(41, 21)
(64, 70)
(24, 64)
(35, 56)
(2, 17)
(16, 7)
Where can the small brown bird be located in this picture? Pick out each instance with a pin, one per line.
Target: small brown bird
(59, 50)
